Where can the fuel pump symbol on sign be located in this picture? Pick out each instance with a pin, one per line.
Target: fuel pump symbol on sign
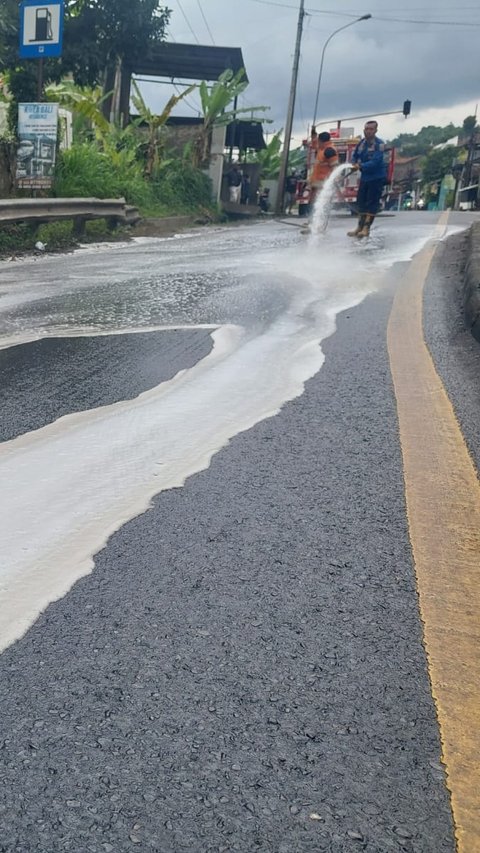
(43, 25)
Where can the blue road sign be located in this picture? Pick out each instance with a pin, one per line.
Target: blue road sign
(41, 28)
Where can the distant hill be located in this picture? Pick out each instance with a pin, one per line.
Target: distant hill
(414, 144)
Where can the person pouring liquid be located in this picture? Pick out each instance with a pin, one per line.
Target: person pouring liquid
(369, 159)
(326, 159)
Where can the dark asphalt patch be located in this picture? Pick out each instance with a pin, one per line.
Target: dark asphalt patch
(244, 670)
(44, 380)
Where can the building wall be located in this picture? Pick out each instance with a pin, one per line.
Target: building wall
(179, 135)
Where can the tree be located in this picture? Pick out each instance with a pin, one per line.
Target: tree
(8, 29)
(155, 125)
(98, 34)
(214, 107)
(438, 163)
(469, 125)
(84, 103)
(101, 35)
(411, 145)
(269, 157)
(21, 77)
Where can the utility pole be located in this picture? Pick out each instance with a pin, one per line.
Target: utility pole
(291, 108)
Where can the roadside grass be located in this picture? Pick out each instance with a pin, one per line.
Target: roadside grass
(177, 188)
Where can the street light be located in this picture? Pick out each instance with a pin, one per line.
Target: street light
(363, 18)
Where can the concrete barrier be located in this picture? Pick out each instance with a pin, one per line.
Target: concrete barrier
(471, 293)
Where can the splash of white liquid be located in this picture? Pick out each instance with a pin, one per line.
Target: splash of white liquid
(324, 200)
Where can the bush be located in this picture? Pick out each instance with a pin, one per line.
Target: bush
(83, 171)
(181, 187)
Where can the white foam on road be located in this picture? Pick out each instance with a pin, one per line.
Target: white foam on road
(68, 486)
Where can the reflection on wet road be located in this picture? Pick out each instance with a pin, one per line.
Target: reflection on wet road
(237, 275)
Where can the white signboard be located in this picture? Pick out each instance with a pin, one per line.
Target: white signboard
(37, 133)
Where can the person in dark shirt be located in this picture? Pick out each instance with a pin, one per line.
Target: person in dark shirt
(234, 181)
(245, 191)
(369, 158)
(290, 191)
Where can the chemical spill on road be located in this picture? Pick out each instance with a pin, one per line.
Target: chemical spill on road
(68, 486)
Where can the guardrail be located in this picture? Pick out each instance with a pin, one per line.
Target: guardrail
(81, 210)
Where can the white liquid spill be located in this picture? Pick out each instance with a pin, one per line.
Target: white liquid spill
(68, 486)
(324, 201)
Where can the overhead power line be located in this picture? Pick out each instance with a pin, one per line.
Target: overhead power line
(332, 12)
(205, 21)
(188, 22)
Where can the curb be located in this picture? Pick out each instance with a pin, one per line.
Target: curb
(471, 291)
(165, 226)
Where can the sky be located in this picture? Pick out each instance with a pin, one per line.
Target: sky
(426, 51)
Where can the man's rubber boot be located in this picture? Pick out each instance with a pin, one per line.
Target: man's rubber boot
(356, 233)
(365, 231)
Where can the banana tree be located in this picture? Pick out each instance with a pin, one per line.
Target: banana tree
(215, 101)
(154, 124)
(83, 102)
(269, 158)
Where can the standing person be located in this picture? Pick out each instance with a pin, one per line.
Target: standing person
(290, 191)
(325, 161)
(303, 197)
(245, 192)
(369, 158)
(264, 200)
(234, 181)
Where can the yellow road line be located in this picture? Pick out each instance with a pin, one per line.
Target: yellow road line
(443, 505)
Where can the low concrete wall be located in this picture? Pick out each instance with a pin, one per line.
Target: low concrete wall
(471, 294)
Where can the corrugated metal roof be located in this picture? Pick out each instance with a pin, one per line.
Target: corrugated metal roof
(189, 61)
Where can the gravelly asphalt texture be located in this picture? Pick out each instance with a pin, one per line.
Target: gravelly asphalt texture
(455, 351)
(246, 654)
(44, 380)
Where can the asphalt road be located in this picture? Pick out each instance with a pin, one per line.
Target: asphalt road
(243, 669)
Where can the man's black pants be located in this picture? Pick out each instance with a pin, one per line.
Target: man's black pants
(369, 195)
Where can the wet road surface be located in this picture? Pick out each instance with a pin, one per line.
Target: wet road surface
(243, 669)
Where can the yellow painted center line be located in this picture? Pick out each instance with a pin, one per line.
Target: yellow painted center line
(443, 506)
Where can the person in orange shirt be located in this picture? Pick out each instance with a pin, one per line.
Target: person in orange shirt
(325, 161)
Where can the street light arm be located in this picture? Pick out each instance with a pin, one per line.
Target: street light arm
(354, 118)
(350, 24)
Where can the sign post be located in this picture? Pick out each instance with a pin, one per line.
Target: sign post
(41, 32)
